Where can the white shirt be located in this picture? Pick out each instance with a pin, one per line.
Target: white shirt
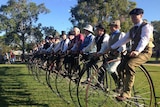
(62, 46)
(122, 47)
(147, 31)
(50, 49)
(56, 47)
(104, 45)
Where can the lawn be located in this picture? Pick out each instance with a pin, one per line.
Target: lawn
(19, 88)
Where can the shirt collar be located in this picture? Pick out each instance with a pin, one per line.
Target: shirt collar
(138, 24)
(115, 32)
(89, 35)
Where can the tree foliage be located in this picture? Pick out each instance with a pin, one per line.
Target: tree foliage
(156, 25)
(101, 11)
(4, 47)
(17, 18)
(49, 31)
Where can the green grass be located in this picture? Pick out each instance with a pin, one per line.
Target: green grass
(154, 72)
(19, 88)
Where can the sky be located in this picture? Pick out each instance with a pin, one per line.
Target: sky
(59, 12)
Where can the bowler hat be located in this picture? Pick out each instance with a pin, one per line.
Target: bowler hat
(71, 33)
(89, 28)
(136, 11)
(115, 23)
(100, 26)
(63, 32)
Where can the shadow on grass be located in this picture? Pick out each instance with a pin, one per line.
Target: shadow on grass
(13, 91)
(153, 62)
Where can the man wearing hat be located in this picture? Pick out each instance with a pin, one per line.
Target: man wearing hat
(89, 37)
(61, 49)
(88, 31)
(115, 35)
(141, 36)
(47, 44)
(101, 44)
(100, 41)
(71, 38)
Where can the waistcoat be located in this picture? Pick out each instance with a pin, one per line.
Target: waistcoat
(135, 36)
(99, 41)
(115, 39)
(111, 42)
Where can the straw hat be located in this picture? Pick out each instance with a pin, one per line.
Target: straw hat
(89, 28)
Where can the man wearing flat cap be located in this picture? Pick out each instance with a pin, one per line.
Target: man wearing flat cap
(136, 11)
(141, 37)
(115, 54)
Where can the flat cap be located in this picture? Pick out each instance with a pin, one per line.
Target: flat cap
(115, 23)
(136, 11)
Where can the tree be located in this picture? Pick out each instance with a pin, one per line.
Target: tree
(49, 31)
(156, 25)
(17, 18)
(96, 11)
(4, 47)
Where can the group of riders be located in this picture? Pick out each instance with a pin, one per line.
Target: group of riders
(95, 44)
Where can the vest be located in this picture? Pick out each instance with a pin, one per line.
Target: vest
(115, 39)
(86, 41)
(111, 42)
(135, 37)
(99, 41)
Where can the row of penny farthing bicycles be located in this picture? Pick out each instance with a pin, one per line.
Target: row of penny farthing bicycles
(64, 83)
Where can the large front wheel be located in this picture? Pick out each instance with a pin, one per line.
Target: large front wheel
(93, 94)
(142, 93)
(90, 95)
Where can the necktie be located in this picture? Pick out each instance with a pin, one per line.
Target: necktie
(135, 29)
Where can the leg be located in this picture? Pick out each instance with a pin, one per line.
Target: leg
(112, 69)
(130, 73)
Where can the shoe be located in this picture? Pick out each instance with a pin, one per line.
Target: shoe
(121, 98)
(118, 90)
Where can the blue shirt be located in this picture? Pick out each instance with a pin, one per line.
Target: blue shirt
(88, 39)
(114, 33)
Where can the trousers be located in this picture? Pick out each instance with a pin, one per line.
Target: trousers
(128, 67)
